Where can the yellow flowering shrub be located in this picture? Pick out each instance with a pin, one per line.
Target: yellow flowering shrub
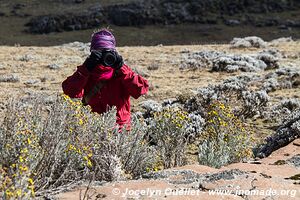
(226, 138)
(17, 170)
(168, 132)
(48, 146)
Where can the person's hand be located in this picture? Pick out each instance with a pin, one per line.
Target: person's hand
(119, 62)
(93, 60)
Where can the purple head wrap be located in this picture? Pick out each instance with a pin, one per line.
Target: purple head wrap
(103, 39)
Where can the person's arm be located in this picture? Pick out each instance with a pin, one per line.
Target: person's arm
(74, 85)
(135, 84)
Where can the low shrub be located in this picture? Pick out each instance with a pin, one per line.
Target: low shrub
(236, 93)
(225, 139)
(46, 147)
(168, 131)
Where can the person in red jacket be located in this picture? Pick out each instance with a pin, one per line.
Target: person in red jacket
(103, 80)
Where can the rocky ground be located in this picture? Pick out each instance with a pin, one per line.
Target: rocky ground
(265, 75)
(275, 177)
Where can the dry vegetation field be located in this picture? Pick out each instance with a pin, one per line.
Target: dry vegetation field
(266, 99)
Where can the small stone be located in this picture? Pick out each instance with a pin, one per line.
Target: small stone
(31, 82)
(296, 143)
(13, 78)
(54, 66)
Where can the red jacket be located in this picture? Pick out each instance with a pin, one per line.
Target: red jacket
(116, 92)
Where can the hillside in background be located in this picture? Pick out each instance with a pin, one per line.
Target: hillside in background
(52, 22)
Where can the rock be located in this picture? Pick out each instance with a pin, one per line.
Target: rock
(54, 66)
(13, 78)
(247, 42)
(295, 161)
(285, 134)
(131, 15)
(190, 176)
(66, 22)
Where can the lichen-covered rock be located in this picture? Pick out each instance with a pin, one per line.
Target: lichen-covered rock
(252, 41)
(286, 133)
(189, 176)
(295, 160)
